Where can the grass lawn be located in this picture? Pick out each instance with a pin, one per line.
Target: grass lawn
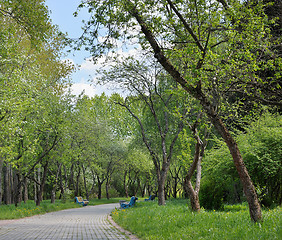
(29, 209)
(174, 221)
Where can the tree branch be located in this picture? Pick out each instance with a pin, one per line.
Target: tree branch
(186, 25)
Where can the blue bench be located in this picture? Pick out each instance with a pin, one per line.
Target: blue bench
(151, 198)
(130, 204)
(81, 201)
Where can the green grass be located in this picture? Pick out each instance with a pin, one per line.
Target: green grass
(29, 209)
(174, 221)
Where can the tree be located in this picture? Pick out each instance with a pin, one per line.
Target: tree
(150, 94)
(216, 41)
(31, 77)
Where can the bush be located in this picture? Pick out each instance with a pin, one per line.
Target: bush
(261, 151)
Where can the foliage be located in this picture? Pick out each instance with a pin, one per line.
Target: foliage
(149, 221)
(261, 150)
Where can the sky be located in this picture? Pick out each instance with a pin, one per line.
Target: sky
(61, 13)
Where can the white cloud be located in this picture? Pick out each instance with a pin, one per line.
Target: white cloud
(88, 65)
(105, 62)
(78, 88)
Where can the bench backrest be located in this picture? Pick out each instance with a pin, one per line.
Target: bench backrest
(79, 199)
(132, 201)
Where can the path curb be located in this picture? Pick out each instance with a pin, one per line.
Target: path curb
(127, 233)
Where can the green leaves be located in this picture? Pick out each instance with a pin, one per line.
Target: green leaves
(261, 150)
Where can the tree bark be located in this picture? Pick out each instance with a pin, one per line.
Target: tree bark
(25, 190)
(35, 188)
(42, 185)
(84, 181)
(107, 189)
(125, 185)
(161, 183)
(99, 188)
(62, 189)
(1, 183)
(53, 192)
(77, 192)
(7, 184)
(18, 188)
(193, 193)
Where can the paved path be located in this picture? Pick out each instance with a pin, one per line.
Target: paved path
(79, 223)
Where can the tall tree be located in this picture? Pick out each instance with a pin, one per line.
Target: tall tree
(149, 88)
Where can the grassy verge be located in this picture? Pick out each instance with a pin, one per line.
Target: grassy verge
(147, 220)
(29, 209)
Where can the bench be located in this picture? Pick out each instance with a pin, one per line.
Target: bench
(81, 201)
(151, 198)
(124, 204)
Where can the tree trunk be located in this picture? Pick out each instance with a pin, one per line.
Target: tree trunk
(42, 185)
(77, 192)
(7, 184)
(144, 189)
(193, 194)
(53, 192)
(93, 182)
(107, 189)
(84, 181)
(125, 185)
(161, 184)
(25, 190)
(99, 188)
(248, 187)
(71, 178)
(53, 195)
(61, 182)
(18, 188)
(1, 183)
(35, 188)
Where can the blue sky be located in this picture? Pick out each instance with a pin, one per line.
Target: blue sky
(62, 15)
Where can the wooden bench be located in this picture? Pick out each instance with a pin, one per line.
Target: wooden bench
(81, 201)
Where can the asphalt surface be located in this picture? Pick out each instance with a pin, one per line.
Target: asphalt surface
(85, 223)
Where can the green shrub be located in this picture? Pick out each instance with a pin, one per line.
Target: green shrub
(261, 151)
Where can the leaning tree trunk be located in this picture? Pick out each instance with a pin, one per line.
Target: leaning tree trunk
(248, 187)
